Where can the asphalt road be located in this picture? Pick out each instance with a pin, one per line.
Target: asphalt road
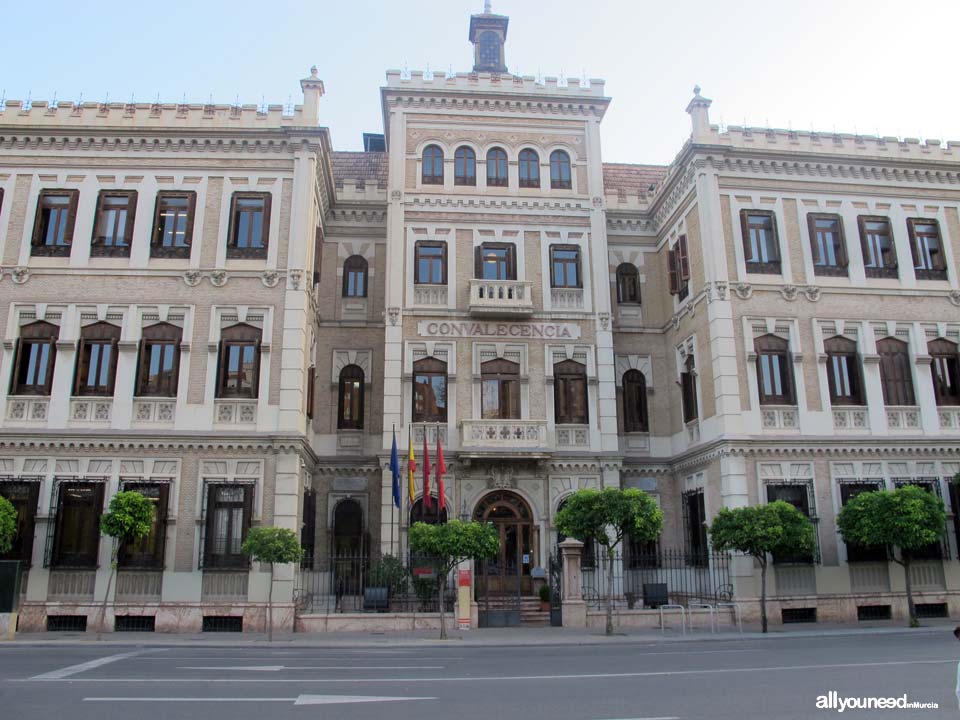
(745, 679)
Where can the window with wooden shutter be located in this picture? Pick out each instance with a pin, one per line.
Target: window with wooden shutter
(774, 374)
(497, 175)
(570, 393)
(529, 168)
(464, 166)
(350, 400)
(844, 376)
(97, 360)
(688, 390)
(495, 261)
(635, 402)
(113, 223)
(173, 219)
(761, 246)
(560, 178)
(500, 390)
(432, 166)
(54, 223)
(877, 246)
(158, 371)
(430, 263)
(565, 266)
(76, 539)
(926, 247)
(672, 271)
(895, 375)
(239, 370)
(946, 371)
(34, 360)
(249, 232)
(827, 245)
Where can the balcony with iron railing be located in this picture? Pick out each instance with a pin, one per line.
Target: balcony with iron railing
(501, 298)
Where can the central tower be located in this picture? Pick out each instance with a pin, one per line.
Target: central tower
(488, 33)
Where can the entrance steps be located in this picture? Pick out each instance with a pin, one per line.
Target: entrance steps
(530, 612)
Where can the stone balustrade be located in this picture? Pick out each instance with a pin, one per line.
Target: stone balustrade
(504, 434)
(501, 297)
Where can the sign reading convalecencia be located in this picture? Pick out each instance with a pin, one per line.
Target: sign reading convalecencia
(459, 329)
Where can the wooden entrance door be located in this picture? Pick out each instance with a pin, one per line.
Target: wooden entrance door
(509, 572)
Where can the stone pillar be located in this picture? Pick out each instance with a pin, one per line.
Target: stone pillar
(574, 607)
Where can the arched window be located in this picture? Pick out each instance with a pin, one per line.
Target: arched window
(159, 366)
(500, 390)
(946, 371)
(350, 403)
(496, 168)
(97, 359)
(355, 277)
(635, 402)
(628, 284)
(239, 370)
(35, 358)
(560, 170)
(843, 371)
(774, 377)
(529, 169)
(433, 516)
(464, 166)
(429, 390)
(895, 375)
(570, 393)
(432, 165)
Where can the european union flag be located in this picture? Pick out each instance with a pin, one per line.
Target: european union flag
(395, 470)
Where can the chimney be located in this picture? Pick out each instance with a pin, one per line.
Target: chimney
(699, 109)
(312, 92)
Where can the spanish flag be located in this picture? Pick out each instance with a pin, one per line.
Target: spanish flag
(426, 473)
(441, 468)
(411, 467)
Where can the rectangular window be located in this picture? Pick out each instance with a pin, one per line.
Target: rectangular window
(159, 368)
(249, 225)
(827, 245)
(229, 512)
(239, 369)
(927, 249)
(761, 248)
(76, 538)
(861, 553)
(843, 378)
(173, 225)
(429, 396)
(774, 374)
(53, 226)
(565, 266)
(311, 389)
(570, 395)
(695, 528)
(876, 242)
(430, 263)
(96, 368)
(499, 390)
(678, 268)
(688, 391)
(113, 227)
(148, 551)
(798, 494)
(33, 371)
(495, 261)
(946, 378)
(23, 495)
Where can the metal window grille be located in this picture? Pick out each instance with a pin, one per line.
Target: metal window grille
(222, 623)
(867, 613)
(56, 511)
(135, 623)
(788, 491)
(249, 487)
(66, 623)
(937, 550)
(798, 615)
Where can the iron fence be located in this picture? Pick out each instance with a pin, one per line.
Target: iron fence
(355, 584)
(660, 576)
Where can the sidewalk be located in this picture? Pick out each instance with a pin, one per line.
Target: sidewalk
(488, 637)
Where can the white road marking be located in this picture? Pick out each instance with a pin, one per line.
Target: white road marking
(299, 700)
(278, 668)
(83, 667)
(524, 678)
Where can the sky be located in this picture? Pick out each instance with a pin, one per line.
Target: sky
(844, 65)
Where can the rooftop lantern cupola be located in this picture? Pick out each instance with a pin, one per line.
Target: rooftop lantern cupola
(488, 33)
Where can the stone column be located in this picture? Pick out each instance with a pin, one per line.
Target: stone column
(574, 607)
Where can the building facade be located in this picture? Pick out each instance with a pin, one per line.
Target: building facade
(210, 304)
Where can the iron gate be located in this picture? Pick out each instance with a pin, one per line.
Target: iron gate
(498, 594)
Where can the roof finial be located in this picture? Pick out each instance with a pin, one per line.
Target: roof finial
(486, 7)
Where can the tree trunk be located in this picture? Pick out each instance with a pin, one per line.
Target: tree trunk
(270, 606)
(106, 595)
(911, 610)
(763, 594)
(440, 582)
(608, 567)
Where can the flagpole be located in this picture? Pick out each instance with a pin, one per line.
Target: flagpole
(437, 482)
(393, 500)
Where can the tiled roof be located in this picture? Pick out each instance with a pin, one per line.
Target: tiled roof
(629, 179)
(369, 167)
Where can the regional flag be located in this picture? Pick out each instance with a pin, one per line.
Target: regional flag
(395, 470)
(441, 469)
(411, 467)
(426, 472)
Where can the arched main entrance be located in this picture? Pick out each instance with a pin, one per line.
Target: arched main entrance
(508, 572)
